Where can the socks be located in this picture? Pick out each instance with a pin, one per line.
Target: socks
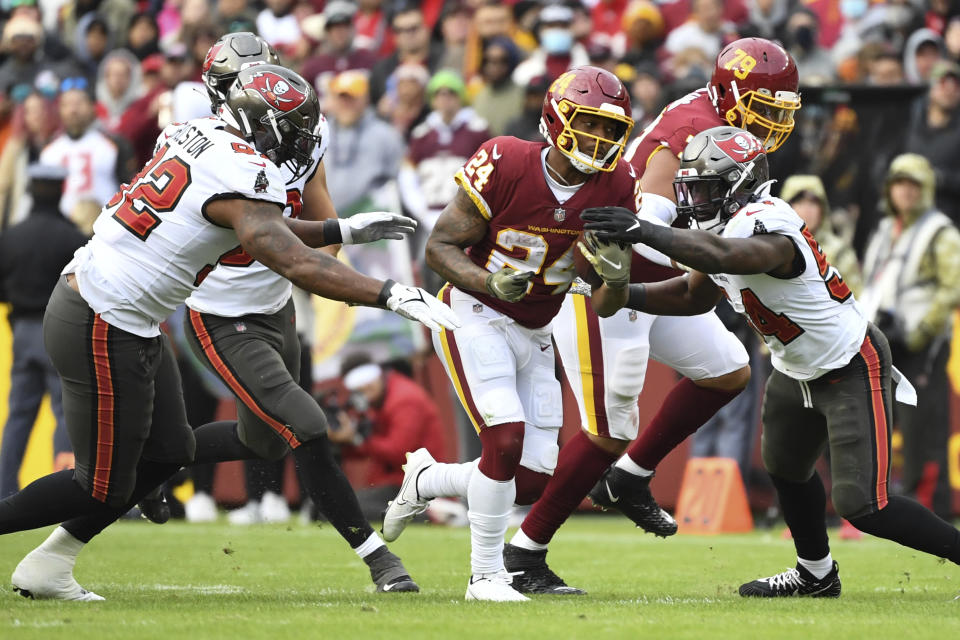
(323, 480)
(370, 545)
(219, 442)
(150, 475)
(490, 504)
(911, 524)
(47, 500)
(530, 485)
(579, 466)
(442, 480)
(804, 505)
(683, 411)
(628, 465)
(521, 540)
(818, 568)
(62, 543)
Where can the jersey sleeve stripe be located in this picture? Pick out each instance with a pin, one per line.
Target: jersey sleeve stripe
(659, 147)
(474, 194)
(590, 355)
(100, 341)
(202, 335)
(454, 367)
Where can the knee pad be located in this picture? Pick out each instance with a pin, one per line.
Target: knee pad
(530, 485)
(629, 371)
(303, 415)
(502, 448)
(544, 407)
(269, 446)
(850, 501)
(540, 449)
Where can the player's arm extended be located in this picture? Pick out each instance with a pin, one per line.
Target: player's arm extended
(459, 226)
(700, 250)
(264, 235)
(687, 295)
(317, 204)
(319, 227)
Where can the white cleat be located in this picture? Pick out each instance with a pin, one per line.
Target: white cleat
(408, 503)
(200, 508)
(494, 587)
(274, 508)
(246, 515)
(43, 575)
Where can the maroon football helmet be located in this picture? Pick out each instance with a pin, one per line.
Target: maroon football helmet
(754, 86)
(586, 91)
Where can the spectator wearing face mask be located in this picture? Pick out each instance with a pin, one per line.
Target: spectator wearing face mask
(557, 50)
(388, 415)
(802, 41)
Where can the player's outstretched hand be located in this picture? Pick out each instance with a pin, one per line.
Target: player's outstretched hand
(361, 228)
(611, 260)
(416, 304)
(508, 284)
(613, 224)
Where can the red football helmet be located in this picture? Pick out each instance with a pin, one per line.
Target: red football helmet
(586, 91)
(754, 86)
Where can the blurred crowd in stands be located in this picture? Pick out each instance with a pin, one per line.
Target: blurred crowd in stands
(410, 89)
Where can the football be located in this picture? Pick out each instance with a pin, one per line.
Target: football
(583, 268)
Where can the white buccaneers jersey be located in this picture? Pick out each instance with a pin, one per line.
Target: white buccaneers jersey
(240, 285)
(152, 242)
(91, 164)
(811, 322)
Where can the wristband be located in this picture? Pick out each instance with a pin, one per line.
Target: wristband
(331, 232)
(385, 292)
(637, 297)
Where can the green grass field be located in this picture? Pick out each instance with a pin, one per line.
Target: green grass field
(217, 581)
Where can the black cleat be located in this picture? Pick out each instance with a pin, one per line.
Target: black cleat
(154, 507)
(794, 582)
(532, 575)
(388, 573)
(630, 495)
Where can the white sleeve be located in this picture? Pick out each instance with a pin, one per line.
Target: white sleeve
(656, 206)
(254, 178)
(648, 252)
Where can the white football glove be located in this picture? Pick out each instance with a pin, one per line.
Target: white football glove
(416, 304)
(361, 228)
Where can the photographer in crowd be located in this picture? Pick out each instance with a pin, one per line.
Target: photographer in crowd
(387, 415)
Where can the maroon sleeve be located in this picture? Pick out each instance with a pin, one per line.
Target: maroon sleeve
(488, 175)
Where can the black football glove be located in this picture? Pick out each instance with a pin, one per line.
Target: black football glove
(614, 224)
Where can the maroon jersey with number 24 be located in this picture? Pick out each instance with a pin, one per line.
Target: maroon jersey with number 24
(529, 229)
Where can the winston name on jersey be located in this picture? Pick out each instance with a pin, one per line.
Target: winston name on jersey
(811, 322)
(152, 242)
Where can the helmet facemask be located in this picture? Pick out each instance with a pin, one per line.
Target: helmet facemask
(711, 200)
(769, 117)
(285, 143)
(569, 140)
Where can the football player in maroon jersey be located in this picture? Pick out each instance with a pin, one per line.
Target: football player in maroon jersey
(505, 245)
(754, 85)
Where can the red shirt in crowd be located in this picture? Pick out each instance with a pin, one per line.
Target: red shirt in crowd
(409, 419)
